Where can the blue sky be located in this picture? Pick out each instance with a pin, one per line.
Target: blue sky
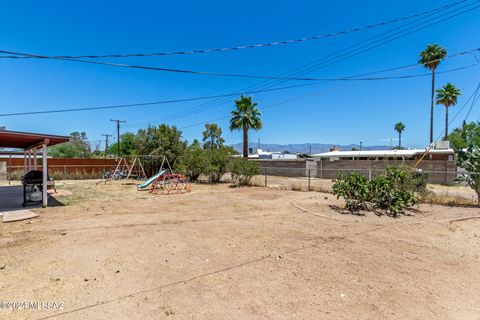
(332, 112)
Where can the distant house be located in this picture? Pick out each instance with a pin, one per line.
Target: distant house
(410, 154)
(268, 155)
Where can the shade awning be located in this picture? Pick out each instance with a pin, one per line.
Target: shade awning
(27, 140)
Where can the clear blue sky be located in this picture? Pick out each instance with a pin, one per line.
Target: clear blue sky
(343, 113)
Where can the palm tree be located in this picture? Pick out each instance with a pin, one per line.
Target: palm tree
(430, 58)
(447, 96)
(399, 127)
(246, 116)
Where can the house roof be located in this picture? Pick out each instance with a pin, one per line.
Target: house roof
(381, 153)
(27, 140)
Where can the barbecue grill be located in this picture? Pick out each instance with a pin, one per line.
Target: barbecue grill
(33, 185)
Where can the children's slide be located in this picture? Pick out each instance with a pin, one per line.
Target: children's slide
(151, 179)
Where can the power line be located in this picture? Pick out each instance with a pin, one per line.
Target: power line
(250, 46)
(185, 113)
(143, 104)
(347, 51)
(228, 94)
(235, 75)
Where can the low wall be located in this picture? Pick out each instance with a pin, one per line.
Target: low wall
(284, 168)
(439, 171)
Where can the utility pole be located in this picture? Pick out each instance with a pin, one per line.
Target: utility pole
(310, 151)
(106, 142)
(118, 134)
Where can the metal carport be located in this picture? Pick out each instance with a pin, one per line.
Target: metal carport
(31, 143)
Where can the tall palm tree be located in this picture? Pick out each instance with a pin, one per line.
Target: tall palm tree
(447, 96)
(246, 116)
(399, 127)
(430, 58)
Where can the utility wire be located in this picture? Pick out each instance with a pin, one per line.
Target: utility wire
(214, 96)
(205, 73)
(250, 46)
(474, 101)
(216, 104)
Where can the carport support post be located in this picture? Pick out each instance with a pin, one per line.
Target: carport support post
(44, 175)
(35, 159)
(24, 162)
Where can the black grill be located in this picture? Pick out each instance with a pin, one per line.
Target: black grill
(32, 182)
(33, 177)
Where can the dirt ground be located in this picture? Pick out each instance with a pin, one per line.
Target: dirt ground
(237, 253)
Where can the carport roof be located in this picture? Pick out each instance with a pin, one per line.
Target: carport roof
(27, 140)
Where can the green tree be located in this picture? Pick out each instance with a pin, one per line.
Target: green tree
(430, 58)
(246, 116)
(162, 141)
(399, 127)
(447, 96)
(195, 162)
(128, 145)
(466, 135)
(218, 160)
(212, 136)
(76, 147)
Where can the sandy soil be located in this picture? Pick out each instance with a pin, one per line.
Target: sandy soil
(237, 253)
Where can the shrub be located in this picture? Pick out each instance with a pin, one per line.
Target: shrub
(470, 161)
(243, 171)
(393, 191)
(354, 188)
(218, 160)
(194, 163)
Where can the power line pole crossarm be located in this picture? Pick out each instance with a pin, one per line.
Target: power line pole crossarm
(118, 134)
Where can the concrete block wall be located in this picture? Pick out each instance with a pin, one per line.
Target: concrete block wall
(439, 171)
(284, 168)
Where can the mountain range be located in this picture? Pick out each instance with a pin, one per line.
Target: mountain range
(305, 147)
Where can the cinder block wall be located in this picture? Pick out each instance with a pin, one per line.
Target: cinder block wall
(284, 168)
(439, 171)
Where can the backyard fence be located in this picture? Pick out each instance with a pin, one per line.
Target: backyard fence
(443, 187)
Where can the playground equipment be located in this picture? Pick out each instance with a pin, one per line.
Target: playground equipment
(165, 181)
(124, 170)
(136, 170)
(151, 179)
(171, 182)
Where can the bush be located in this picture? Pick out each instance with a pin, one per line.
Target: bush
(194, 163)
(354, 188)
(392, 191)
(218, 162)
(470, 161)
(243, 171)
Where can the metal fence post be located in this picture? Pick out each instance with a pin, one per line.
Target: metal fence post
(309, 180)
(266, 176)
(64, 172)
(369, 174)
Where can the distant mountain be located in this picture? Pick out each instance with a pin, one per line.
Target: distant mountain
(304, 147)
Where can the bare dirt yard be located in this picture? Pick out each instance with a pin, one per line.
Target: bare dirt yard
(112, 252)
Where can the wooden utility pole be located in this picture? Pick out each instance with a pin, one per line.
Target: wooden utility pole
(118, 134)
(106, 142)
